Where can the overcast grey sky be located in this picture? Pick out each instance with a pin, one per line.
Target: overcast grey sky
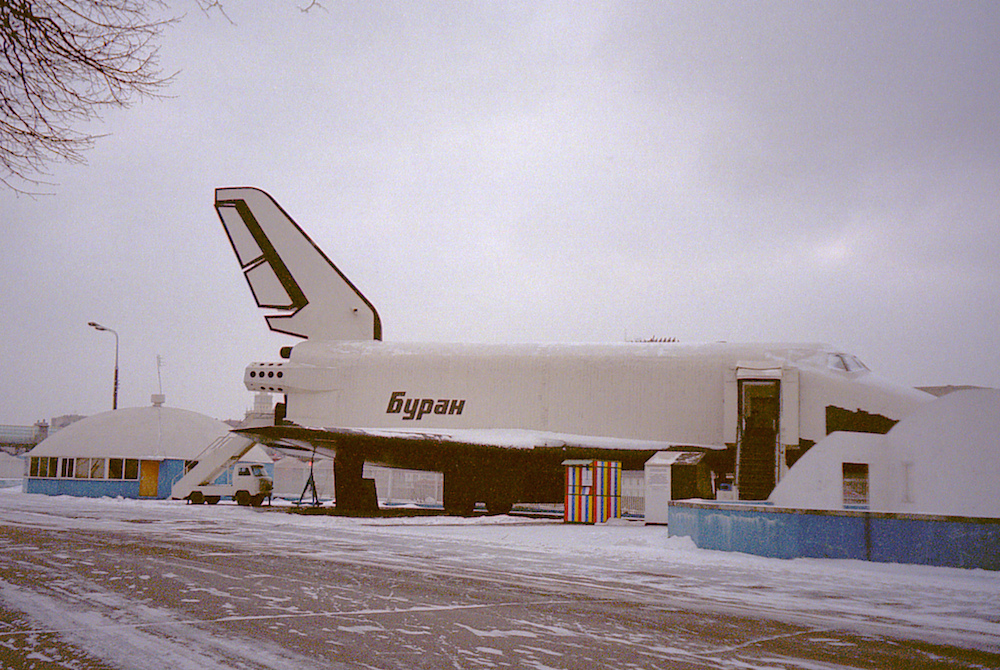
(493, 172)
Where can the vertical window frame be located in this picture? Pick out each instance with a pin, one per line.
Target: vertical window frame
(855, 484)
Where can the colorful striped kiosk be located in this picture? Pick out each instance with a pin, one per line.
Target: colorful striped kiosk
(593, 491)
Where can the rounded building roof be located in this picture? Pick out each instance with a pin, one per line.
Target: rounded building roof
(151, 433)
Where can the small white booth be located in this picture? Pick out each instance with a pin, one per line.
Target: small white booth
(660, 484)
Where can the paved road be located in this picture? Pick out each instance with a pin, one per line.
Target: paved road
(198, 593)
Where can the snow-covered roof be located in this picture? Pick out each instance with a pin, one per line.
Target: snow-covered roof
(151, 433)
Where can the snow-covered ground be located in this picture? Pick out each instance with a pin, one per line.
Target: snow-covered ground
(623, 560)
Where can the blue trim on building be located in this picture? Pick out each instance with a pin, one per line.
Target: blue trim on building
(87, 488)
(170, 471)
(885, 537)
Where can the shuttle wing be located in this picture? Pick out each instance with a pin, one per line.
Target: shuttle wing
(500, 467)
(416, 448)
(287, 272)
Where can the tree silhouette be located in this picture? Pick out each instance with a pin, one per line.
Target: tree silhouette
(61, 62)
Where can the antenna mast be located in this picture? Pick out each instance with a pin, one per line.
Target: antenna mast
(159, 380)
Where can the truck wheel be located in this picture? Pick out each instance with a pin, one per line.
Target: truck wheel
(196, 498)
(242, 498)
(211, 500)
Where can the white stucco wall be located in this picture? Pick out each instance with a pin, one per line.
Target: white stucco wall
(816, 481)
(942, 459)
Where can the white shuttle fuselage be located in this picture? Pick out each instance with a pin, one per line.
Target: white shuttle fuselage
(499, 419)
(665, 392)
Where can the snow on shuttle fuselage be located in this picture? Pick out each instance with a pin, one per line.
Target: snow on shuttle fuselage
(498, 420)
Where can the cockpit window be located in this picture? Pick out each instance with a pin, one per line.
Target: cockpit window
(846, 362)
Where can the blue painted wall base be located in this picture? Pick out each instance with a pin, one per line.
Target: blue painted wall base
(170, 470)
(885, 537)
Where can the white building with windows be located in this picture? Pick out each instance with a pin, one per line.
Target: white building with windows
(131, 453)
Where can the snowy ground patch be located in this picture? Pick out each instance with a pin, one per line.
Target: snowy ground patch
(624, 562)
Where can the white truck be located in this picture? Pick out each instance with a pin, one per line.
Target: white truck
(248, 483)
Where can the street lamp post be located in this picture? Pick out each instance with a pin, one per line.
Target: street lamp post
(97, 326)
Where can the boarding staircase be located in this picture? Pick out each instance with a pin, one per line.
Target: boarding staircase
(756, 465)
(211, 463)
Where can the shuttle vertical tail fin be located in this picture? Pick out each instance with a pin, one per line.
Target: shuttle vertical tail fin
(287, 272)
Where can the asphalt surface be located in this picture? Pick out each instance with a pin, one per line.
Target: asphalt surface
(145, 593)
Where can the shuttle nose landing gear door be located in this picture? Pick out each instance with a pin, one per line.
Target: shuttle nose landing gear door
(762, 418)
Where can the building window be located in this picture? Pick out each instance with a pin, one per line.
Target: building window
(89, 468)
(43, 466)
(855, 484)
(67, 467)
(123, 468)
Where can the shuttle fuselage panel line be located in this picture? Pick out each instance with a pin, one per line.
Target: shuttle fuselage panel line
(499, 420)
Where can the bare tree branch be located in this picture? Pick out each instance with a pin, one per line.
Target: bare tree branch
(313, 4)
(61, 62)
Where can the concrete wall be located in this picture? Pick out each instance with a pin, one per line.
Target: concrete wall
(763, 530)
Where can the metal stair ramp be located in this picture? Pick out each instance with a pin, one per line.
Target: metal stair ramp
(210, 463)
